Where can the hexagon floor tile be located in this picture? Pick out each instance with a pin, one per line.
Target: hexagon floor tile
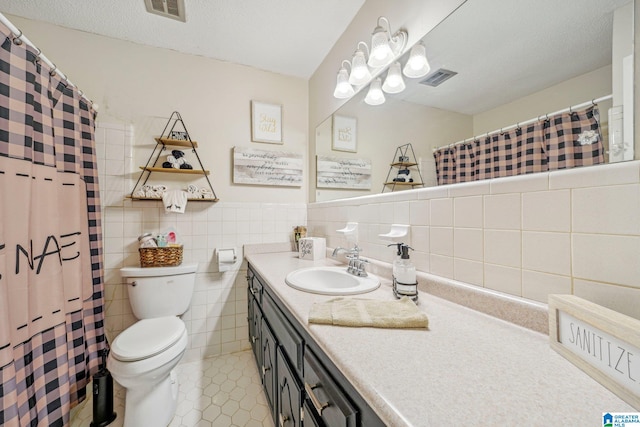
(222, 391)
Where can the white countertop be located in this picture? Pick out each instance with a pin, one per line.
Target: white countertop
(467, 369)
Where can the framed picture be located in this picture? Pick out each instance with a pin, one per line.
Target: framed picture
(266, 122)
(344, 134)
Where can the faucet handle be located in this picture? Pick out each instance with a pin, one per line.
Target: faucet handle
(360, 267)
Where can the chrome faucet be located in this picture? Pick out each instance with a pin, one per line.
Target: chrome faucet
(356, 264)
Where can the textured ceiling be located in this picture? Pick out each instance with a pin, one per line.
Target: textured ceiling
(289, 37)
(504, 50)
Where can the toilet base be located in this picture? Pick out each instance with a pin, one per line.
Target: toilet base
(152, 406)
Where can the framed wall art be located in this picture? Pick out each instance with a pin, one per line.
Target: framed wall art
(344, 134)
(266, 122)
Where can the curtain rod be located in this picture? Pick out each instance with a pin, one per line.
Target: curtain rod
(54, 69)
(527, 122)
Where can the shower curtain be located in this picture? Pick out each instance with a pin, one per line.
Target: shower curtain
(562, 141)
(51, 279)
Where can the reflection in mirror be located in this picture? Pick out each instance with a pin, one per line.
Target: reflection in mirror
(515, 61)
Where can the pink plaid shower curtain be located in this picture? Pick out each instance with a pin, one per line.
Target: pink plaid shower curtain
(561, 141)
(51, 278)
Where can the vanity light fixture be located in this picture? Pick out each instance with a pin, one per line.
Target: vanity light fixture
(385, 48)
(375, 96)
(417, 64)
(343, 88)
(360, 73)
(394, 83)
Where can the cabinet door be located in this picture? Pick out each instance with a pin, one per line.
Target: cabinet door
(290, 340)
(310, 419)
(268, 368)
(289, 394)
(330, 403)
(255, 325)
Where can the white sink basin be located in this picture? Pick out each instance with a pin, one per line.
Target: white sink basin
(330, 281)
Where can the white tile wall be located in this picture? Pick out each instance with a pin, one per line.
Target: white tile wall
(216, 320)
(571, 231)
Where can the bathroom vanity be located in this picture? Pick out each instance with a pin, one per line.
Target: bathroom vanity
(300, 381)
(467, 369)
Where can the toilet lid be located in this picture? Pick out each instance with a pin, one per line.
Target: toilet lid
(147, 338)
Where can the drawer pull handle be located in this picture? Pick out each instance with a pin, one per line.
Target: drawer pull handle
(283, 419)
(264, 370)
(316, 403)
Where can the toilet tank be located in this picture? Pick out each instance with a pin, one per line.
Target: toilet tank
(159, 291)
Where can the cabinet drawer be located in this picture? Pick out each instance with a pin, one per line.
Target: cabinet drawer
(289, 395)
(254, 287)
(286, 335)
(328, 401)
(268, 368)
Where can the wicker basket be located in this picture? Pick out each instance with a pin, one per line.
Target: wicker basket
(161, 257)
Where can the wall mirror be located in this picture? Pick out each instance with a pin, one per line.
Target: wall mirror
(515, 61)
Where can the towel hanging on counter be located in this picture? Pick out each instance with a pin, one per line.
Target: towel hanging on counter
(356, 312)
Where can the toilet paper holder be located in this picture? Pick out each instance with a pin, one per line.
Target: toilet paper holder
(226, 258)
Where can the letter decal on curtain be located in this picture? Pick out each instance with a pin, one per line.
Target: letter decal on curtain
(51, 277)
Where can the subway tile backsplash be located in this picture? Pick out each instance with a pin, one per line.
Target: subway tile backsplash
(571, 231)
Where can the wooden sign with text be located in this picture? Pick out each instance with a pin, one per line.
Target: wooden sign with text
(603, 343)
(266, 167)
(342, 172)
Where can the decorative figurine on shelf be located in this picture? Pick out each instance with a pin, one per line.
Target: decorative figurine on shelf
(180, 136)
(177, 161)
(403, 159)
(404, 175)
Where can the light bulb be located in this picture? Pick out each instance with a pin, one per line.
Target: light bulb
(394, 82)
(343, 88)
(375, 96)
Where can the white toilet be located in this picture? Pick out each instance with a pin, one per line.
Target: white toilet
(143, 356)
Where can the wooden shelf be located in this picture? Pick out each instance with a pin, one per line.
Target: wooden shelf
(403, 164)
(156, 199)
(412, 184)
(176, 142)
(172, 170)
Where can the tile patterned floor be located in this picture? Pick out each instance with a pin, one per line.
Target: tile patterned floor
(224, 391)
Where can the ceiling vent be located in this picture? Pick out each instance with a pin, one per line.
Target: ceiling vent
(173, 9)
(438, 77)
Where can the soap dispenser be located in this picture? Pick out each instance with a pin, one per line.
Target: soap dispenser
(396, 261)
(405, 282)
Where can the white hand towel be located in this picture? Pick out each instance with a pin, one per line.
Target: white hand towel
(193, 190)
(175, 201)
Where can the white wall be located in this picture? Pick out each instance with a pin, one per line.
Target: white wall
(574, 91)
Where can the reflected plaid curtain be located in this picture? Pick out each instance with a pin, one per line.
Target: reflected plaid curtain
(46, 125)
(573, 139)
(563, 141)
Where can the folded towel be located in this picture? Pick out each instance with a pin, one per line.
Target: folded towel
(175, 201)
(376, 314)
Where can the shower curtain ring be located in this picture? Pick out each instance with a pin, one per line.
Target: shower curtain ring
(53, 70)
(16, 39)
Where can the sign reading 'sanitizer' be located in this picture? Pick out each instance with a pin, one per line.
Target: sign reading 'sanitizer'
(603, 343)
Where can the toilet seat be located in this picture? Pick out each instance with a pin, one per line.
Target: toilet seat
(147, 338)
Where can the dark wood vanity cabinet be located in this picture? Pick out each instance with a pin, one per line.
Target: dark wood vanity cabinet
(303, 386)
